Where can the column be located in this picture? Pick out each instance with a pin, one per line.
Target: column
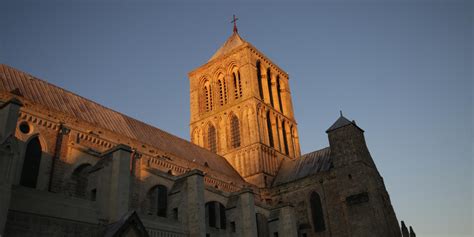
(287, 223)
(248, 225)
(113, 186)
(9, 113)
(194, 203)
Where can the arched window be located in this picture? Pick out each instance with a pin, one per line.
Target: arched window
(31, 163)
(207, 96)
(269, 80)
(237, 85)
(79, 180)
(317, 212)
(269, 128)
(211, 138)
(279, 93)
(215, 215)
(234, 131)
(285, 139)
(221, 92)
(262, 225)
(158, 198)
(259, 79)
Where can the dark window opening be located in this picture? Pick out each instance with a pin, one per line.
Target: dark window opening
(93, 194)
(269, 128)
(317, 212)
(175, 213)
(285, 140)
(31, 164)
(158, 197)
(279, 94)
(215, 215)
(269, 80)
(259, 79)
(24, 127)
(232, 227)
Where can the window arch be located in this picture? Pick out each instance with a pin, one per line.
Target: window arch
(211, 138)
(215, 215)
(234, 131)
(31, 163)
(207, 96)
(317, 212)
(237, 84)
(269, 128)
(158, 200)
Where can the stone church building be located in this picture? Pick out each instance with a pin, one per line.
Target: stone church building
(72, 167)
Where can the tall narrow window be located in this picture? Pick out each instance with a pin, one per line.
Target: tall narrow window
(269, 128)
(279, 93)
(239, 82)
(211, 138)
(215, 215)
(285, 139)
(158, 197)
(222, 91)
(269, 80)
(259, 79)
(31, 164)
(317, 212)
(235, 132)
(207, 96)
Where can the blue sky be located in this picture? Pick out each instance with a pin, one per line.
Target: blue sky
(401, 69)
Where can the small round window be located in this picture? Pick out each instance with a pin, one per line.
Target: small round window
(24, 127)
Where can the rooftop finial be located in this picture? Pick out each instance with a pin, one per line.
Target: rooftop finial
(340, 112)
(235, 24)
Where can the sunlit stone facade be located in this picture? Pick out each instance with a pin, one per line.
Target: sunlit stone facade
(72, 167)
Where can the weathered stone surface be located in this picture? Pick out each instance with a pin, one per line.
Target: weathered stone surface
(96, 164)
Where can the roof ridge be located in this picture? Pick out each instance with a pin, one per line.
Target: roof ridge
(125, 122)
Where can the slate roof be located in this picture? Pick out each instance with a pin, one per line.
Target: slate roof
(56, 98)
(232, 43)
(341, 122)
(304, 166)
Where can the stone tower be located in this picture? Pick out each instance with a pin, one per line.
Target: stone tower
(241, 109)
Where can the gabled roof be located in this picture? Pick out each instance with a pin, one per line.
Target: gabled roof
(58, 99)
(128, 225)
(341, 122)
(232, 43)
(306, 165)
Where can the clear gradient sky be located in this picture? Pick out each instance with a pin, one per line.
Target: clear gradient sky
(401, 69)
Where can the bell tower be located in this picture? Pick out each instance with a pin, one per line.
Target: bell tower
(241, 109)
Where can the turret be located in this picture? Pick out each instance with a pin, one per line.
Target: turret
(347, 143)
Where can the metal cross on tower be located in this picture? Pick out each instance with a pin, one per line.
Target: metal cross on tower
(235, 24)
